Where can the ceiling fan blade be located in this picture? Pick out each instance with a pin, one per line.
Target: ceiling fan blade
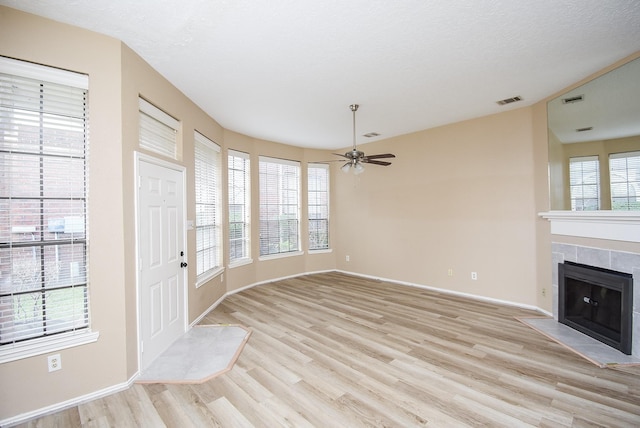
(375, 162)
(382, 156)
(339, 154)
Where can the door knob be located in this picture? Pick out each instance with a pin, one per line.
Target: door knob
(183, 265)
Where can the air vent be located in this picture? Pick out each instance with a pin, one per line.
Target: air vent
(570, 100)
(371, 135)
(509, 100)
(588, 128)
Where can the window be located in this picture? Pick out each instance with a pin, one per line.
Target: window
(43, 207)
(584, 180)
(208, 221)
(239, 207)
(318, 195)
(624, 173)
(279, 206)
(158, 130)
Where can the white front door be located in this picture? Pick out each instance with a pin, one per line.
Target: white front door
(161, 289)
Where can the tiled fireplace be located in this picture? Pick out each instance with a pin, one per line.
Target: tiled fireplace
(620, 261)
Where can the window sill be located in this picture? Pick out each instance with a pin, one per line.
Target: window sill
(323, 251)
(44, 345)
(208, 276)
(610, 225)
(280, 256)
(240, 262)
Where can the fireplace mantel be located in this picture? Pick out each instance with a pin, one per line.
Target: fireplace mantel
(612, 225)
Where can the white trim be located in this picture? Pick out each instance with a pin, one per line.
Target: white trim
(54, 408)
(150, 110)
(240, 262)
(208, 276)
(288, 162)
(280, 255)
(43, 73)
(611, 225)
(321, 251)
(45, 345)
(451, 292)
(206, 311)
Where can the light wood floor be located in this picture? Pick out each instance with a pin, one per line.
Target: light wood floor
(331, 350)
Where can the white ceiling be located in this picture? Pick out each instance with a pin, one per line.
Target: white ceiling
(287, 70)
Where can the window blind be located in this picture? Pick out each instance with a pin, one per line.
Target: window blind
(239, 206)
(43, 201)
(624, 174)
(208, 221)
(279, 206)
(158, 130)
(318, 205)
(584, 183)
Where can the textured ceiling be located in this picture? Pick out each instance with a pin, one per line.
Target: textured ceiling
(287, 70)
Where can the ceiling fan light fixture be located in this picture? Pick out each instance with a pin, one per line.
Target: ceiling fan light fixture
(356, 158)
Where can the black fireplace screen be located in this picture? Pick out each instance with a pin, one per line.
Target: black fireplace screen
(597, 302)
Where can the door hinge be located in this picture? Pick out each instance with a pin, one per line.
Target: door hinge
(141, 347)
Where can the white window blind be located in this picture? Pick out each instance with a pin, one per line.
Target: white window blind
(584, 183)
(43, 203)
(208, 221)
(318, 206)
(158, 130)
(239, 206)
(624, 173)
(279, 206)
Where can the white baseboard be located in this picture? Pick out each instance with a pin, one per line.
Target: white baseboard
(54, 408)
(451, 292)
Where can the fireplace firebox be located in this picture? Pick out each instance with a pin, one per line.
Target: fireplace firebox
(597, 302)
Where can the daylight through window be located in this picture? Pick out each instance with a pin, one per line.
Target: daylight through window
(43, 202)
(584, 179)
(279, 206)
(318, 199)
(239, 207)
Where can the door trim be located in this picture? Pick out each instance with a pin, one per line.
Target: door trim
(142, 157)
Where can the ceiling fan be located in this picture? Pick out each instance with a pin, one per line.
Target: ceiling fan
(356, 157)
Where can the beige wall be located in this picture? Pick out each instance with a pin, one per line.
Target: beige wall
(117, 77)
(26, 384)
(457, 197)
(463, 197)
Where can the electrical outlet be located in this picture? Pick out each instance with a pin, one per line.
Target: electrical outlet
(347, 258)
(54, 362)
(450, 272)
(544, 292)
(474, 275)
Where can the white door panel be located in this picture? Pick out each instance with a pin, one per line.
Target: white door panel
(161, 238)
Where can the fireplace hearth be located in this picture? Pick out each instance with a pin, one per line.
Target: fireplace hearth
(597, 302)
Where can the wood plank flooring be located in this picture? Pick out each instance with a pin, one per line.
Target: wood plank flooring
(332, 350)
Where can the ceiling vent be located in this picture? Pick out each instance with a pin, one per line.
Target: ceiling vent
(371, 135)
(588, 128)
(509, 100)
(570, 100)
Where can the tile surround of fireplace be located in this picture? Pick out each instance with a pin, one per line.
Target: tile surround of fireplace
(603, 258)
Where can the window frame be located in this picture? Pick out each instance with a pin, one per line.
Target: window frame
(280, 209)
(245, 193)
(49, 79)
(635, 183)
(312, 196)
(581, 185)
(212, 161)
